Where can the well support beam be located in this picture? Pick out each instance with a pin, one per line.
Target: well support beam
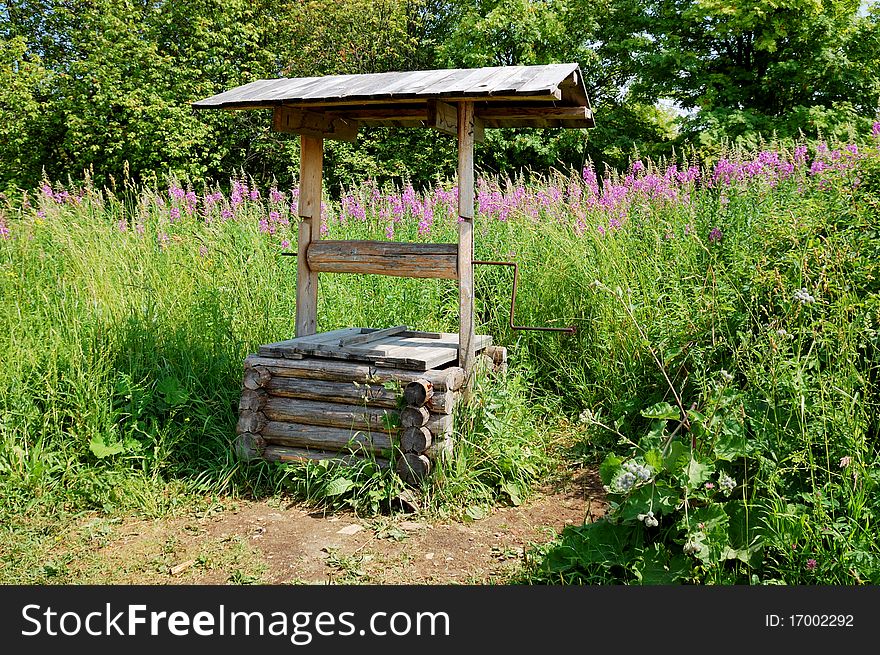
(466, 344)
(311, 164)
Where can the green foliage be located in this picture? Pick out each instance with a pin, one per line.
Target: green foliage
(711, 364)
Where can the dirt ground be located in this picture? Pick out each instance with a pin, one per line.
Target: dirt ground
(271, 542)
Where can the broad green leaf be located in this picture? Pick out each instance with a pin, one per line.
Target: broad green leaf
(659, 567)
(732, 443)
(697, 473)
(337, 486)
(654, 459)
(101, 449)
(475, 512)
(173, 393)
(609, 468)
(512, 490)
(677, 458)
(659, 498)
(661, 410)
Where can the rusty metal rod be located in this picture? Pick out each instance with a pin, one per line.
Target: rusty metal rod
(569, 330)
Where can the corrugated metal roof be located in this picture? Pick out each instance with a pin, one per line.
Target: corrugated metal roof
(550, 95)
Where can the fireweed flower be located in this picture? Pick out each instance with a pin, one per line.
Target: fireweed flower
(122, 225)
(875, 130)
(174, 212)
(203, 251)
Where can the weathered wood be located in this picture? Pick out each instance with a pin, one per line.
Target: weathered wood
(252, 400)
(450, 378)
(325, 438)
(418, 392)
(491, 116)
(443, 402)
(497, 84)
(396, 351)
(497, 353)
(352, 417)
(353, 393)
(372, 335)
(414, 416)
(413, 468)
(249, 421)
(444, 118)
(288, 454)
(417, 260)
(314, 412)
(442, 448)
(255, 377)
(309, 207)
(415, 440)
(466, 347)
(314, 124)
(248, 446)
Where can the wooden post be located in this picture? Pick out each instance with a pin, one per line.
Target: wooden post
(311, 164)
(466, 346)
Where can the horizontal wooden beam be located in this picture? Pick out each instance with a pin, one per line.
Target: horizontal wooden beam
(419, 260)
(287, 454)
(489, 116)
(325, 438)
(338, 371)
(314, 124)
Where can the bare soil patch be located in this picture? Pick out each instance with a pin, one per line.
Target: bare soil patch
(273, 542)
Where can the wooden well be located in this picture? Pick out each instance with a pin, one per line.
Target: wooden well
(383, 391)
(355, 392)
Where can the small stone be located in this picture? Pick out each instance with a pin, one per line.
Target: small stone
(354, 528)
(411, 526)
(429, 555)
(183, 566)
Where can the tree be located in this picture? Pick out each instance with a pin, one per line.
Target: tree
(752, 66)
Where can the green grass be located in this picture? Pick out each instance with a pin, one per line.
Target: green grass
(122, 367)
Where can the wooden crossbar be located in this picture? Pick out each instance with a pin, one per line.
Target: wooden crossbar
(420, 260)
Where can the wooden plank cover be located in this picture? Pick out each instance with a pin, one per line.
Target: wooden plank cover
(407, 350)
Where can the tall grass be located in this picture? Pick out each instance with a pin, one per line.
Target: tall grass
(741, 295)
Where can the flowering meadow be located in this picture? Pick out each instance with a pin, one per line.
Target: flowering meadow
(723, 374)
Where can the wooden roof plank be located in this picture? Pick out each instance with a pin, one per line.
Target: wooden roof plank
(550, 76)
(466, 82)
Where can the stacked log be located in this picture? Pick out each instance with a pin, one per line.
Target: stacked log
(318, 408)
(422, 440)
